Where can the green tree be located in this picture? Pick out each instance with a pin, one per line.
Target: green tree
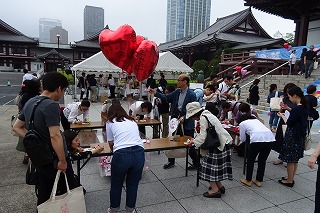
(197, 66)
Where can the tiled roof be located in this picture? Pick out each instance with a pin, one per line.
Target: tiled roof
(8, 33)
(91, 41)
(220, 31)
(53, 52)
(261, 44)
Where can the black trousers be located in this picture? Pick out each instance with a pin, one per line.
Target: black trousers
(112, 91)
(192, 151)
(64, 121)
(263, 150)
(47, 175)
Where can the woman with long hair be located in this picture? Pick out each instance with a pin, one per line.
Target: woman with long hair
(216, 164)
(254, 93)
(294, 139)
(286, 104)
(128, 157)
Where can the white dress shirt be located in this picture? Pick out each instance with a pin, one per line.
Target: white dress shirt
(257, 131)
(72, 111)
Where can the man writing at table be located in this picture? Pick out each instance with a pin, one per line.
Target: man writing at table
(179, 100)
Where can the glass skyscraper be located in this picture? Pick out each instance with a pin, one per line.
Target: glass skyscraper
(45, 25)
(93, 20)
(187, 18)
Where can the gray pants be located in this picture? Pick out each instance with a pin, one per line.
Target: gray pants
(309, 68)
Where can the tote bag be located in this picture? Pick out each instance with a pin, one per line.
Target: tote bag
(72, 201)
(275, 102)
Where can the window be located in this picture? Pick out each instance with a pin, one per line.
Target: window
(18, 50)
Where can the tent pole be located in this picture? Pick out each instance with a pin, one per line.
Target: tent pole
(140, 91)
(75, 85)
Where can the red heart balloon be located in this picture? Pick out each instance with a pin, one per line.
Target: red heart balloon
(130, 66)
(145, 59)
(119, 46)
(286, 45)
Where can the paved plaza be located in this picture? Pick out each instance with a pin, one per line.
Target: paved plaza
(162, 190)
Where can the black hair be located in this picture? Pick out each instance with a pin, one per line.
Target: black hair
(272, 87)
(311, 89)
(297, 91)
(229, 77)
(212, 107)
(85, 102)
(25, 71)
(286, 88)
(170, 88)
(226, 105)
(197, 114)
(69, 136)
(256, 81)
(244, 108)
(246, 117)
(116, 111)
(147, 105)
(83, 74)
(211, 87)
(32, 86)
(53, 80)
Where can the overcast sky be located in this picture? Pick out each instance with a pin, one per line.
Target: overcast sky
(147, 17)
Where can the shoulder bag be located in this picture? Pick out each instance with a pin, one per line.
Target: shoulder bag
(275, 102)
(308, 139)
(212, 140)
(38, 149)
(71, 201)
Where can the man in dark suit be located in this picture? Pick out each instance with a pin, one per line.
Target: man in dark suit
(179, 99)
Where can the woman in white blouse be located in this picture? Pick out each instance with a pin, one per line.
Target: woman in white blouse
(128, 157)
(261, 142)
(216, 164)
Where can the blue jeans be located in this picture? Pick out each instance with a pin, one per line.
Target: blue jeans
(126, 162)
(274, 118)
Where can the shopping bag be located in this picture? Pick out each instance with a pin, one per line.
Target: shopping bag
(275, 102)
(315, 65)
(71, 201)
(104, 165)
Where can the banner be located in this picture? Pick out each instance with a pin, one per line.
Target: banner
(283, 53)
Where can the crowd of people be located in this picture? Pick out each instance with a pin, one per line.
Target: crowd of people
(220, 104)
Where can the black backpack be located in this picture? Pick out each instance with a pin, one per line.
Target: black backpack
(38, 149)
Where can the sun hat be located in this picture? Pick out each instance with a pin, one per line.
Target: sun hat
(192, 109)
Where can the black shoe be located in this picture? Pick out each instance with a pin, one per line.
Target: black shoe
(192, 167)
(286, 184)
(168, 165)
(222, 189)
(25, 159)
(214, 195)
(284, 178)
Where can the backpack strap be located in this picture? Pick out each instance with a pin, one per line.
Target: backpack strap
(209, 123)
(31, 121)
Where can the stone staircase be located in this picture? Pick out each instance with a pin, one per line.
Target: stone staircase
(280, 80)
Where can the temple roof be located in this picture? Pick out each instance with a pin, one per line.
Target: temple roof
(10, 34)
(240, 28)
(53, 52)
(289, 9)
(92, 41)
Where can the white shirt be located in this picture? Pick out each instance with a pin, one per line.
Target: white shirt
(257, 131)
(111, 82)
(72, 111)
(137, 110)
(223, 87)
(27, 76)
(123, 134)
(293, 58)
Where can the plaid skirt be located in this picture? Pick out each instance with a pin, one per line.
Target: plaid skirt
(216, 165)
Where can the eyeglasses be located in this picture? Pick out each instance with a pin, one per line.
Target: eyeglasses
(180, 80)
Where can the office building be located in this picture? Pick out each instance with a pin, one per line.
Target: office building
(45, 25)
(187, 18)
(93, 20)
(56, 32)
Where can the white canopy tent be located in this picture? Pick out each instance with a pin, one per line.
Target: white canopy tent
(167, 63)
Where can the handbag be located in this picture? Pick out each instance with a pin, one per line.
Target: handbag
(275, 102)
(212, 139)
(38, 149)
(71, 201)
(32, 175)
(308, 139)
